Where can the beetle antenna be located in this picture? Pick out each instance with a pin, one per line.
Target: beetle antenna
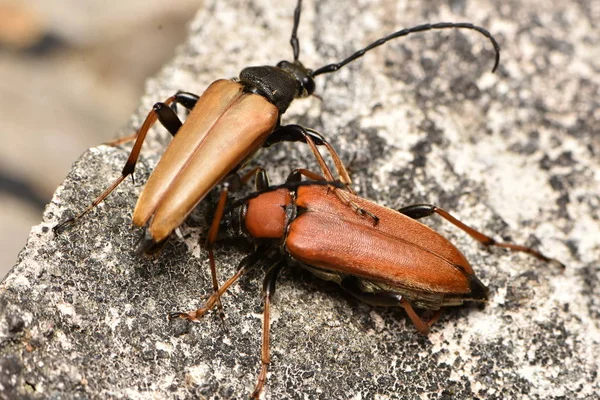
(288, 185)
(294, 39)
(405, 32)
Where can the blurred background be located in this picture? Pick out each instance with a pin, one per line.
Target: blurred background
(72, 72)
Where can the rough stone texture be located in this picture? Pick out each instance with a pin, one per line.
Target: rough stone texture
(422, 120)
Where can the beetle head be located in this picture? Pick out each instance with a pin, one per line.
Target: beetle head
(305, 84)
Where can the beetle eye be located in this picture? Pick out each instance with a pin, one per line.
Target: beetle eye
(308, 84)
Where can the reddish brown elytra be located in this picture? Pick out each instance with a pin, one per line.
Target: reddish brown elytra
(396, 262)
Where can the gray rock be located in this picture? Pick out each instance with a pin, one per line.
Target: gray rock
(422, 119)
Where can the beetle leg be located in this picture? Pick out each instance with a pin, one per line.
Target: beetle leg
(417, 211)
(422, 326)
(210, 243)
(168, 119)
(262, 181)
(388, 299)
(260, 176)
(268, 292)
(235, 179)
(297, 133)
(342, 195)
(297, 174)
(249, 262)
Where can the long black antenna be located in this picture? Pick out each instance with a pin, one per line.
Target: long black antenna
(294, 39)
(404, 32)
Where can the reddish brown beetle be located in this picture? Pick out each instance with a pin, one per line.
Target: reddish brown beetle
(398, 262)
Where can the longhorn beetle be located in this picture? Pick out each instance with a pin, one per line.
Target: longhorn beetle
(230, 122)
(398, 262)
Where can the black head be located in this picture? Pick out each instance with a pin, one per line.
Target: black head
(305, 84)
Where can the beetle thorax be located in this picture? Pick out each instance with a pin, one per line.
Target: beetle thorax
(267, 216)
(280, 84)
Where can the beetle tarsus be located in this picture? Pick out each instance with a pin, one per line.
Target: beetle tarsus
(62, 225)
(247, 263)
(121, 140)
(544, 258)
(190, 316)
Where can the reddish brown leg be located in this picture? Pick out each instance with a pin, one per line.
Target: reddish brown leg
(339, 165)
(342, 195)
(168, 118)
(297, 133)
(122, 140)
(388, 299)
(424, 210)
(308, 174)
(245, 265)
(210, 243)
(268, 292)
(214, 227)
(422, 326)
(323, 165)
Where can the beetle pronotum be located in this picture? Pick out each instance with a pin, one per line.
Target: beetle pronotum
(398, 262)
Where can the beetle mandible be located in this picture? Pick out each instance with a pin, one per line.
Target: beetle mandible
(226, 126)
(398, 262)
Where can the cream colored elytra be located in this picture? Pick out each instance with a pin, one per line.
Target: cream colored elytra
(223, 130)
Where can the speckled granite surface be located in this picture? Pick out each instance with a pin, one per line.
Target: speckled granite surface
(514, 154)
